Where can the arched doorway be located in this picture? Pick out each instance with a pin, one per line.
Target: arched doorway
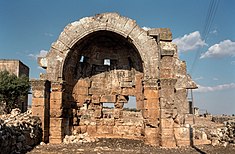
(103, 67)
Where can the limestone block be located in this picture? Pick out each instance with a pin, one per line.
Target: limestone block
(91, 129)
(38, 111)
(56, 131)
(164, 34)
(56, 122)
(151, 94)
(167, 123)
(201, 142)
(81, 90)
(82, 98)
(168, 133)
(151, 103)
(139, 96)
(58, 45)
(138, 83)
(128, 91)
(108, 99)
(182, 133)
(103, 129)
(167, 49)
(96, 91)
(126, 84)
(168, 113)
(38, 101)
(167, 62)
(152, 136)
(56, 95)
(140, 105)
(151, 84)
(56, 104)
(167, 73)
(57, 87)
(95, 99)
(108, 122)
(56, 113)
(65, 39)
(97, 84)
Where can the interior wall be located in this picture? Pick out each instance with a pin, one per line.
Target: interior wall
(102, 68)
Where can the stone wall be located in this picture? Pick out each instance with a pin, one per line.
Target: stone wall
(19, 132)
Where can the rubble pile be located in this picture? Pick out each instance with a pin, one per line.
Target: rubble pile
(19, 132)
(78, 138)
(216, 131)
(223, 135)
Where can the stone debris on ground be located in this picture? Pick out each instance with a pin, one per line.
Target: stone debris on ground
(219, 131)
(79, 138)
(19, 132)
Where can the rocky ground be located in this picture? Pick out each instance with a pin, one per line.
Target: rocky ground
(119, 146)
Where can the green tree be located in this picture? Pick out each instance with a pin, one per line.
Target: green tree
(12, 89)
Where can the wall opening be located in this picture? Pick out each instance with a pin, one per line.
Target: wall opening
(107, 110)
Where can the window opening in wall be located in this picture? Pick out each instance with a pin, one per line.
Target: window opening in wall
(107, 62)
(130, 110)
(82, 59)
(107, 110)
(131, 104)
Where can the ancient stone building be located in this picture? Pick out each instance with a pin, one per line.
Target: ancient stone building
(105, 59)
(18, 68)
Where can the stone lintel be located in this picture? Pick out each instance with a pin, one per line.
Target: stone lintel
(108, 99)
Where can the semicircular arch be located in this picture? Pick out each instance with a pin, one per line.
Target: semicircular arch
(113, 22)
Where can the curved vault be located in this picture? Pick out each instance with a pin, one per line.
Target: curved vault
(111, 22)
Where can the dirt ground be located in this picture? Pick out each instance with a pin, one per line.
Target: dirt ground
(120, 146)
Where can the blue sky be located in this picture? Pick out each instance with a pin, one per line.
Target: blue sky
(28, 27)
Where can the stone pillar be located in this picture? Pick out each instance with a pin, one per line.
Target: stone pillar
(57, 121)
(40, 104)
(151, 112)
(168, 112)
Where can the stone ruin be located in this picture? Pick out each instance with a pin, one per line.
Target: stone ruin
(105, 59)
(18, 68)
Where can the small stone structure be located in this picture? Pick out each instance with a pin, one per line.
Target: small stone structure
(18, 68)
(105, 59)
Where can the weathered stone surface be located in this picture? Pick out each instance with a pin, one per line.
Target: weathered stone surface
(164, 34)
(105, 59)
(108, 99)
